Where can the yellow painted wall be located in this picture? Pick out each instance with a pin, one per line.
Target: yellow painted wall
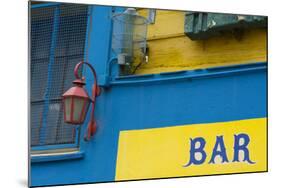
(164, 152)
(170, 50)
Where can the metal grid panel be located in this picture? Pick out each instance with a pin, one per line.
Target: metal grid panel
(72, 24)
(36, 122)
(52, 71)
(41, 32)
(58, 131)
(38, 78)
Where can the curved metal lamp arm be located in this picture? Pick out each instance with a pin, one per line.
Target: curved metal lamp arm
(95, 92)
(96, 87)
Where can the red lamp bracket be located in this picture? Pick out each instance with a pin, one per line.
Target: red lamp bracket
(95, 92)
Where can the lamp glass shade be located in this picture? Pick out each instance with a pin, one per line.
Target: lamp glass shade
(75, 109)
(67, 109)
(80, 109)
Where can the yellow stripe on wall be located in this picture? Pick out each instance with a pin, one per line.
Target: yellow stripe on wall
(163, 152)
(162, 27)
(170, 50)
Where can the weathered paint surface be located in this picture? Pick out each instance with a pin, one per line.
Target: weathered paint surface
(170, 50)
(164, 152)
(167, 24)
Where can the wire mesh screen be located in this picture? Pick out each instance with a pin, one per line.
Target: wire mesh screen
(129, 35)
(58, 35)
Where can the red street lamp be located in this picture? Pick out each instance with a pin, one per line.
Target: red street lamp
(76, 101)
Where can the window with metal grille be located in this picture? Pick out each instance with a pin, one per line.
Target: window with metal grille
(58, 35)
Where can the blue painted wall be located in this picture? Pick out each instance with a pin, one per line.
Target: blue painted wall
(128, 105)
(139, 106)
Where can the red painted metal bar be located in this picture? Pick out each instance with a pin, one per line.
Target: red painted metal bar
(95, 92)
